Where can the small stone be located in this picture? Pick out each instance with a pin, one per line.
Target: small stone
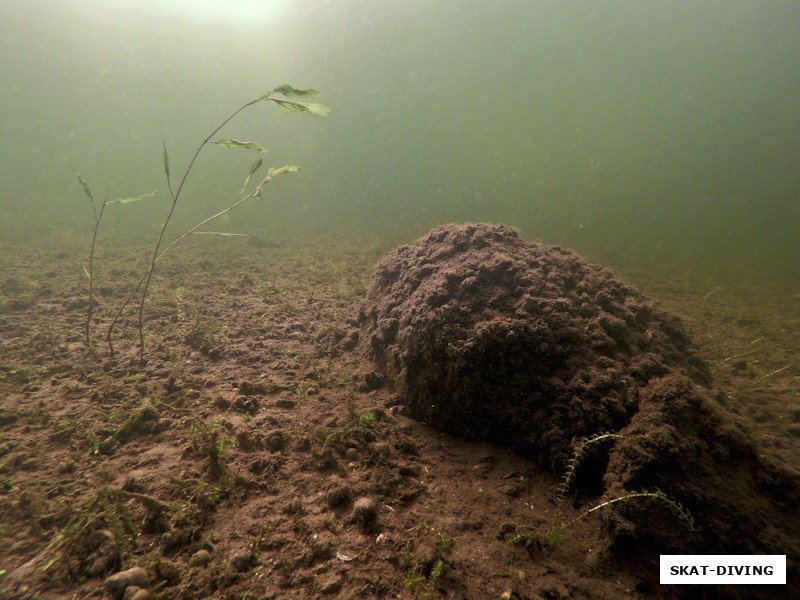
(200, 558)
(372, 381)
(274, 440)
(506, 529)
(295, 507)
(365, 511)
(243, 562)
(340, 496)
(117, 583)
(108, 446)
(482, 468)
(134, 592)
(67, 467)
(168, 571)
(331, 585)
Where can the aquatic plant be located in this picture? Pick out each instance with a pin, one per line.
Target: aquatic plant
(552, 536)
(98, 208)
(568, 481)
(290, 100)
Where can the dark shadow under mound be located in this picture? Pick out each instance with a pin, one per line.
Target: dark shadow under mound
(490, 337)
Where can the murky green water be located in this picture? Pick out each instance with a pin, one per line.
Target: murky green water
(629, 130)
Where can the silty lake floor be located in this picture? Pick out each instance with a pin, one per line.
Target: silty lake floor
(255, 454)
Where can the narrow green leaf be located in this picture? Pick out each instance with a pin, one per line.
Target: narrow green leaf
(86, 189)
(165, 158)
(229, 143)
(314, 108)
(129, 200)
(291, 92)
(288, 106)
(253, 168)
(285, 169)
(218, 233)
(49, 564)
(256, 166)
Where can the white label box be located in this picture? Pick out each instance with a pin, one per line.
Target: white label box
(723, 568)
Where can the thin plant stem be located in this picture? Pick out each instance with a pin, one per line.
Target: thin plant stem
(288, 105)
(253, 194)
(175, 198)
(97, 218)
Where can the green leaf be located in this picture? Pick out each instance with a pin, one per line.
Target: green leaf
(320, 110)
(291, 92)
(285, 169)
(253, 168)
(129, 200)
(229, 143)
(288, 106)
(86, 189)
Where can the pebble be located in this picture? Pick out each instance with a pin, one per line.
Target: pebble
(243, 562)
(168, 571)
(339, 496)
(134, 592)
(506, 529)
(294, 507)
(116, 584)
(200, 558)
(275, 441)
(331, 585)
(365, 510)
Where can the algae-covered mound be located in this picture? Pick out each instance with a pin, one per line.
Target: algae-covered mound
(495, 338)
(490, 337)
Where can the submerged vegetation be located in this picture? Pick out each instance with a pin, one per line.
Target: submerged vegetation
(290, 100)
(552, 537)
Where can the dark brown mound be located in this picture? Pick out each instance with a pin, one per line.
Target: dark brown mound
(490, 337)
(494, 338)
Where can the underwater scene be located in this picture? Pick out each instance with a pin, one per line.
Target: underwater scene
(399, 299)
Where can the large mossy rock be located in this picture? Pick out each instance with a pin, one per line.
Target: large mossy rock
(490, 337)
(495, 338)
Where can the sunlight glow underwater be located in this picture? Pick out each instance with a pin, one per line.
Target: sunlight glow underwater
(241, 13)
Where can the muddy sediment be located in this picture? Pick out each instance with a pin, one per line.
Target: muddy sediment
(258, 452)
